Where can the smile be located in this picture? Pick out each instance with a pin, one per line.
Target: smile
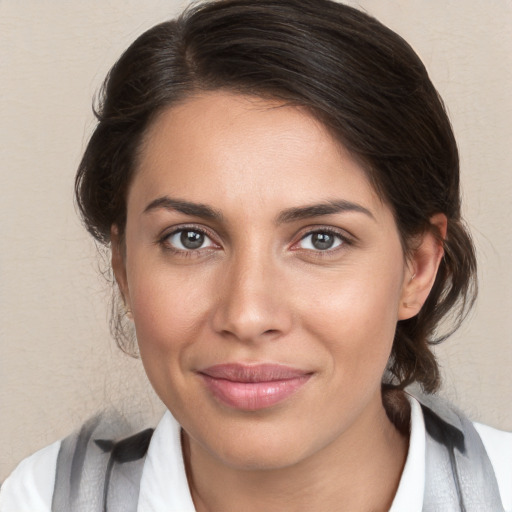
(253, 387)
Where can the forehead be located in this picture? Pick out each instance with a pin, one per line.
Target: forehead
(223, 146)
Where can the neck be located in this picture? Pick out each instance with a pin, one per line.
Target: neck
(360, 471)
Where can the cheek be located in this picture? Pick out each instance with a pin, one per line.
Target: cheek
(355, 315)
(170, 310)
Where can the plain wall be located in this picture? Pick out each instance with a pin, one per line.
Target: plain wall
(58, 363)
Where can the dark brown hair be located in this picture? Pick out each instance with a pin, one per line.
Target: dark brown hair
(359, 78)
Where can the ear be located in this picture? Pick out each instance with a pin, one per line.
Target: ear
(119, 266)
(422, 268)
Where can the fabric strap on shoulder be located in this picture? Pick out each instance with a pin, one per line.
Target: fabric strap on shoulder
(95, 474)
(458, 473)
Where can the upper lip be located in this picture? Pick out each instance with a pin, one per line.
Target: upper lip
(266, 372)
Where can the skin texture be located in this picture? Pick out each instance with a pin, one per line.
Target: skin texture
(259, 291)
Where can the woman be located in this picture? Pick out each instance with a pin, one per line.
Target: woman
(278, 182)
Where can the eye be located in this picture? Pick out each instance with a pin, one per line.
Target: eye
(189, 239)
(320, 241)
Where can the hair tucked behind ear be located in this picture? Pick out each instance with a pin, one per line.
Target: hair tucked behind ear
(360, 79)
(453, 293)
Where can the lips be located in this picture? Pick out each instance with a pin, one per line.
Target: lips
(253, 387)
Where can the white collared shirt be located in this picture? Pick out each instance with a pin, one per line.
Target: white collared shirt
(30, 486)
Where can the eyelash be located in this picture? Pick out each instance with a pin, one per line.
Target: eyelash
(163, 241)
(344, 240)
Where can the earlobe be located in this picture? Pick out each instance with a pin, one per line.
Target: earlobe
(119, 266)
(422, 268)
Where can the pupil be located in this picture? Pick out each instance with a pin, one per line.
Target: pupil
(322, 241)
(192, 239)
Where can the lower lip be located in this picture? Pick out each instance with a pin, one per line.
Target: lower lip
(253, 396)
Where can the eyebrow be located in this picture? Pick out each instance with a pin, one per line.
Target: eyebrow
(185, 207)
(286, 216)
(317, 210)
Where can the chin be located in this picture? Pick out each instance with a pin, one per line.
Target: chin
(259, 445)
(260, 458)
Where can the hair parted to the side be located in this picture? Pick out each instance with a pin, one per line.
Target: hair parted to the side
(359, 78)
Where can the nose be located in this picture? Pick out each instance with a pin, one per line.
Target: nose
(252, 305)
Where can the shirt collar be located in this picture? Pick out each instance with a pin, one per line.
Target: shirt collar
(164, 485)
(409, 496)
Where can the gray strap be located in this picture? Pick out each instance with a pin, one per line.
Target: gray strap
(98, 475)
(124, 472)
(458, 474)
(69, 493)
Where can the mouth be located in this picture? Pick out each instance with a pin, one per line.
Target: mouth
(253, 387)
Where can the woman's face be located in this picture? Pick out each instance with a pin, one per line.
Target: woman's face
(265, 278)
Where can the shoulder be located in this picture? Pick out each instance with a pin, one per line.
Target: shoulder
(498, 445)
(80, 462)
(30, 485)
(480, 455)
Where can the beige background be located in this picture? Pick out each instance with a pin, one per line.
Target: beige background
(58, 364)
